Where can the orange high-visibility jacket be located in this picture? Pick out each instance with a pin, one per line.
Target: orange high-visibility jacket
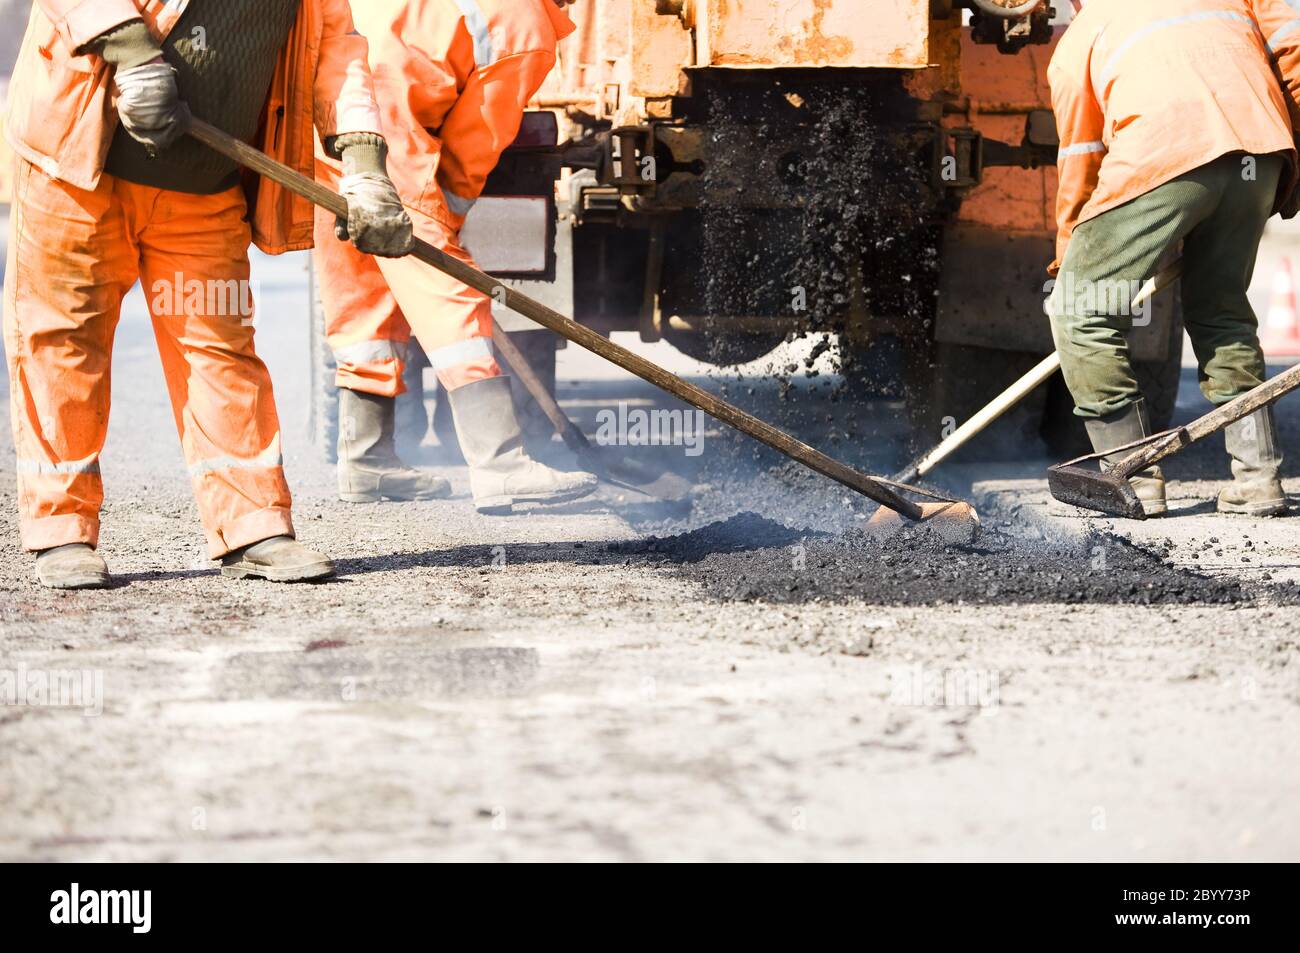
(453, 78)
(1146, 91)
(61, 115)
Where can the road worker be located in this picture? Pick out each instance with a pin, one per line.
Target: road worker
(107, 192)
(1175, 121)
(452, 78)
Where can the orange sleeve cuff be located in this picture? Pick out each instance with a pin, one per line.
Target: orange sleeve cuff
(85, 21)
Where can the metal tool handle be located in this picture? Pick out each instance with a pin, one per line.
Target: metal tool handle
(697, 397)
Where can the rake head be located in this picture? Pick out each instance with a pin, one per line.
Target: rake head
(1091, 489)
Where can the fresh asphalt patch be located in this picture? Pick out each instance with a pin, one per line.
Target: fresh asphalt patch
(749, 558)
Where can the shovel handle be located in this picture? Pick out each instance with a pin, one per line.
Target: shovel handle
(534, 310)
(1167, 444)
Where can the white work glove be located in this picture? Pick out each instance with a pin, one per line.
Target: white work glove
(377, 223)
(149, 106)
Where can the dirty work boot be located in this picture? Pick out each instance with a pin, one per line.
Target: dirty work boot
(1120, 428)
(1255, 489)
(501, 474)
(74, 566)
(369, 469)
(278, 559)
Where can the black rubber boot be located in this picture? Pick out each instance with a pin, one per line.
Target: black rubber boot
(1256, 488)
(369, 468)
(1124, 427)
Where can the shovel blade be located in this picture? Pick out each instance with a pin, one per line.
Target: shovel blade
(1094, 490)
(954, 523)
(657, 482)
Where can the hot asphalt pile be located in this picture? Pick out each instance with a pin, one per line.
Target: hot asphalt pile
(749, 558)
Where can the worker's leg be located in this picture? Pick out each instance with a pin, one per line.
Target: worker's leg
(1220, 256)
(71, 260)
(364, 326)
(1108, 259)
(454, 325)
(368, 335)
(195, 273)
(452, 321)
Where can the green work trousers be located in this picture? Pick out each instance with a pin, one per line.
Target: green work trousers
(1218, 212)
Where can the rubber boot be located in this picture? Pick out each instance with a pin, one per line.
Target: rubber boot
(1256, 489)
(501, 474)
(369, 469)
(278, 559)
(1124, 427)
(74, 566)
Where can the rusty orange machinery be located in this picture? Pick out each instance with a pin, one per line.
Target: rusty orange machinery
(628, 57)
(980, 77)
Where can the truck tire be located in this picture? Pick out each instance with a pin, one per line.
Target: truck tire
(723, 349)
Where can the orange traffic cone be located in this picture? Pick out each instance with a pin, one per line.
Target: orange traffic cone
(1280, 334)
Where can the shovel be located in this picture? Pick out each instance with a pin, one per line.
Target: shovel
(1109, 491)
(956, 519)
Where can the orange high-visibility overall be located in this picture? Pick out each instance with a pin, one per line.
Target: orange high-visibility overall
(80, 238)
(1145, 92)
(453, 78)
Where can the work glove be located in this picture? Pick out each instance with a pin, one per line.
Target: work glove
(377, 223)
(149, 106)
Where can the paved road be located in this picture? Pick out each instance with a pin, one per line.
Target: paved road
(549, 687)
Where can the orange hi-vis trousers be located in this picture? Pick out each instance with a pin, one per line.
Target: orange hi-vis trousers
(372, 305)
(73, 255)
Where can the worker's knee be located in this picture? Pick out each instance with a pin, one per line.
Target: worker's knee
(382, 380)
(1100, 382)
(1230, 368)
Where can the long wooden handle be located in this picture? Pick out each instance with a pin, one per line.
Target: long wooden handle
(1174, 440)
(518, 365)
(729, 414)
(990, 412)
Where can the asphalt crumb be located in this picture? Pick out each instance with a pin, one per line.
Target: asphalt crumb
(749, 558)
